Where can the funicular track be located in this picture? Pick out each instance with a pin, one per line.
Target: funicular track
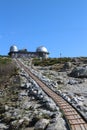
(74, 119)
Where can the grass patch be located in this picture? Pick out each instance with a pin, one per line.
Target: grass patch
(50, 61)
(5, 60)
(7, 69)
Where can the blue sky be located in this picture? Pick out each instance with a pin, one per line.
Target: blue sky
(59, 25)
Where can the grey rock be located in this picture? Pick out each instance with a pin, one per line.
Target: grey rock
(21, 122)
(25, 121)
(79, 72)
(1, 93)
(7, 117)
(23, 93)
(72, 82)
(3, 126)
(81, 98)
(51, 106)
(56, 124)
(6, 108)
(47, 113)
(41, 124)
(25, 85)
(67, 98)
(74, 100)
(60, 81)
(14, 125)
(67, 65)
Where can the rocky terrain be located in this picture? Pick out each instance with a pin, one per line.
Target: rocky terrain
(69, 80)
(24, 106)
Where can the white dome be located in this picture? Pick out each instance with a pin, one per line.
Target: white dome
(13, 49)
(41, 49)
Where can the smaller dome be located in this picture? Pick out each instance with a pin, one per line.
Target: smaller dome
(13, 49)
(41, 49)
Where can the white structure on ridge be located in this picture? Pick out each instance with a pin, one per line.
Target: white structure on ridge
(13, 48)
(41, 52)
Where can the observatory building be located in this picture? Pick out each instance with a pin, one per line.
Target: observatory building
(13, 49)
(41, 52)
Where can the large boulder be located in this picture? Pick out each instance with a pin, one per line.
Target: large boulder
(41, 124)
(51, 106)
(67, 65)
(79, 72)
(57, 124)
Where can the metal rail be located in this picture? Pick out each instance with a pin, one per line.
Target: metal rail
(73, 118)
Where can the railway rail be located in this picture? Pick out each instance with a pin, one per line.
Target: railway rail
(74, 119)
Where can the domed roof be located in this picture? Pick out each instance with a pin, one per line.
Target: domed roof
(13, 49)
(41, 49)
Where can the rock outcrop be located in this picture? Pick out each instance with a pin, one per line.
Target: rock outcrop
(79, 72)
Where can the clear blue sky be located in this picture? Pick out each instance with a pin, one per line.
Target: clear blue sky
(59, 25)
